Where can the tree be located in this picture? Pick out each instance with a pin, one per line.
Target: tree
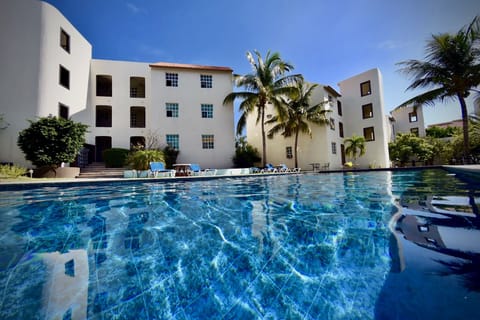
(264, 85)
(297, 114)
(407, 146)
(245, 154)
(51, 141)
(451, 68)
(355, 145)
(439, 132)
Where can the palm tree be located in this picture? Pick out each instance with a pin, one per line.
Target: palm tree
(296, 115)
(265, 84)
(451, 67)
(356, 145)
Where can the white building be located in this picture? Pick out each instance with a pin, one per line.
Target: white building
(49, 70)
(408, 119)
(358, 109)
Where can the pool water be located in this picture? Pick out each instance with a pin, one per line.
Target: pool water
(376, 245)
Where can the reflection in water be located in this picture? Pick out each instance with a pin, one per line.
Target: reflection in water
(436, 248)
(65, 292)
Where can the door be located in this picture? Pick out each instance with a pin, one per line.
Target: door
(342, 150)
(102, 143)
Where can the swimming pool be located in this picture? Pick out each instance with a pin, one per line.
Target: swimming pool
(374, 245)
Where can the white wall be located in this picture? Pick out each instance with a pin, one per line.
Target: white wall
(402, 122)
(190, 125)
(29, 81)
(377, 150)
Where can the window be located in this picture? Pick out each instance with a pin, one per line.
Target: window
(64, 77)
(171, 79)
(103, 116)
(412, 116)
(207, 110)
(332, 123)
(137, 87)
(289, 152)
(62, 111)
(172, 110)
(365, 88)
(340, 129)
(339, 108)
(137, 143)
(369, 134)
(104, 86)
(207, 141)
(205, 81)
(137, 117)
(367, 111)
(330, 99)
(173, 141)
(334, 148)
(414, 131)
(64, 40)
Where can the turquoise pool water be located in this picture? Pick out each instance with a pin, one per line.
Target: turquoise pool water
(376, 245)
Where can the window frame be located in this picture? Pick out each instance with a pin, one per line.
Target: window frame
(413, 116)
(365, 88)
(415, 131)
(173, 108)
(137, 83)
(364, 109)
(334, 147)
(171, 79)
(339, 108)
(103, 91)
(105, 122)
(135, 121)
(206, 110)
(365, 131)
(208, 141)
(206, 81)
(66, 36)
(64, 107)
(332, 124)
(340, 129)
(62, 73)
(289, 152)
(175, 143)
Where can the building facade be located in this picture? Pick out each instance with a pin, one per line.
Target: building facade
(357, 110)
(408, 119)
(51, 72)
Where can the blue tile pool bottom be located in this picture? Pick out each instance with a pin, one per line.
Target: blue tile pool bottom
(281, 247)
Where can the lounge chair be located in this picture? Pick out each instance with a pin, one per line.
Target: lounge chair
(159, 167)
(283, 168)
(196, 170)
(269, 168)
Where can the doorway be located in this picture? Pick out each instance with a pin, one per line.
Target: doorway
(101, 144)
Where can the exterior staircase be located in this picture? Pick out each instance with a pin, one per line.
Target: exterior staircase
(97, 170)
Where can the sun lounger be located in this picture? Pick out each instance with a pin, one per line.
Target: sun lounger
(196, 170)
(269, 168)
(159, 167)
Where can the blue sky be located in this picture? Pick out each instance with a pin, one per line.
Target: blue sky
(326, 40)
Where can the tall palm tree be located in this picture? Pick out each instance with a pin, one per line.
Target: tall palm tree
(451, 68)
(296, 114)
(264, 85)
(355, 145)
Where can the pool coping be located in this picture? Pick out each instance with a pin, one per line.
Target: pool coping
(468, 172)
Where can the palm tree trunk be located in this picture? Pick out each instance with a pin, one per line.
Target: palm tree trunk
(295, 146)
(466, 144)
(264, 141)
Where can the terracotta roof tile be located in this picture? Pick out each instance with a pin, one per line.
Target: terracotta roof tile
(188, 66)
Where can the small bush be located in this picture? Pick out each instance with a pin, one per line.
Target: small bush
(115, 157)
(8, 171)
(140, 160)
(170, 154)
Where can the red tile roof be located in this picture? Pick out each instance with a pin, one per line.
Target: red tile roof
(188, 66)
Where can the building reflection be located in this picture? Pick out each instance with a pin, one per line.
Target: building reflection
(65, 291)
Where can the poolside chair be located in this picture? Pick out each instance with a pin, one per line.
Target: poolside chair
(283, 168)
(159, 167)
(196, 170)
(269, 168)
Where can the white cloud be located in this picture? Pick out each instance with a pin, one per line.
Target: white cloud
(133, 8)
(390, 45)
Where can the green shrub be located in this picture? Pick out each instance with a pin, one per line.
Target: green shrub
(140, 160)
(170, 156)
(49, 141)
(8, 171)
(115, 157)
